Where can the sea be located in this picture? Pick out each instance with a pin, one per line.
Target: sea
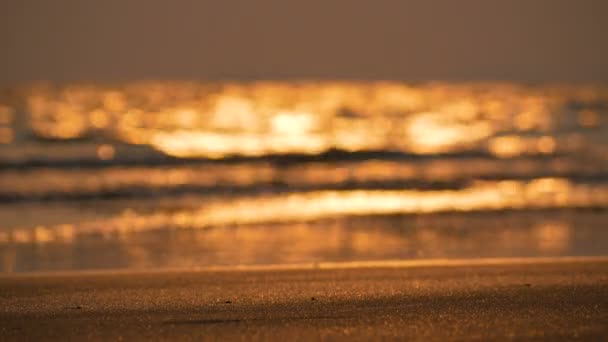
(150, 175)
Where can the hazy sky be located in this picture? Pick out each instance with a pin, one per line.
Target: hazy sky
(526, 40)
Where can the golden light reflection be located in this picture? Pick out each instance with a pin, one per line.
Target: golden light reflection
(535, 113)
(105, 152)
(114, 101)
(553, 237)
(43, 234)
(514, 146)
(215, 145)
(315, 205)
(546, 145)
(390, 241)
(234, 113)
(433, 133)
(491, 149)
(507, 146)
(57, 120)
(311, 206)
(99, 118)
(45, 182)
(186, 119)
(22, 236)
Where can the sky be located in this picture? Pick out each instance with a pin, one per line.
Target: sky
(412, 40)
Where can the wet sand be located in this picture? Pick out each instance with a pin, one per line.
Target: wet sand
(560, 299)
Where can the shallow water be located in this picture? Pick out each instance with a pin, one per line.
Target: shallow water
(152, 174)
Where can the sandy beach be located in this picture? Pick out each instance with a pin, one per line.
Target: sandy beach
(559, 299)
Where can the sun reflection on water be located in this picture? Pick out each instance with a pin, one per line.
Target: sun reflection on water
(354, 239)
(214, 120)
(311, 206)
(148, 174)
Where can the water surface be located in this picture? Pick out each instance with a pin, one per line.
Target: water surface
(147, 175)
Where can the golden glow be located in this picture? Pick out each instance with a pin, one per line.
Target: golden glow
(215, 120)
(21, 236)
(435, 132)
(507, 146)
(57, 120)
(546, 145)
(43, 182)
(99, 119)
(450, 137)
(315, 205)
(307, 206)
(535, 113)
(114, 101)
(214, 145)
(392, 241)
(553, 237)
(42, 235)
(233, 113)
(105, 152)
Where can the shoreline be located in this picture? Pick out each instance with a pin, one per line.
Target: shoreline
(323, 265)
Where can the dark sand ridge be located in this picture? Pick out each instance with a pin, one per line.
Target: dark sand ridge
(551, 299)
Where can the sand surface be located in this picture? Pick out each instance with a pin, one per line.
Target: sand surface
(555, 300)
